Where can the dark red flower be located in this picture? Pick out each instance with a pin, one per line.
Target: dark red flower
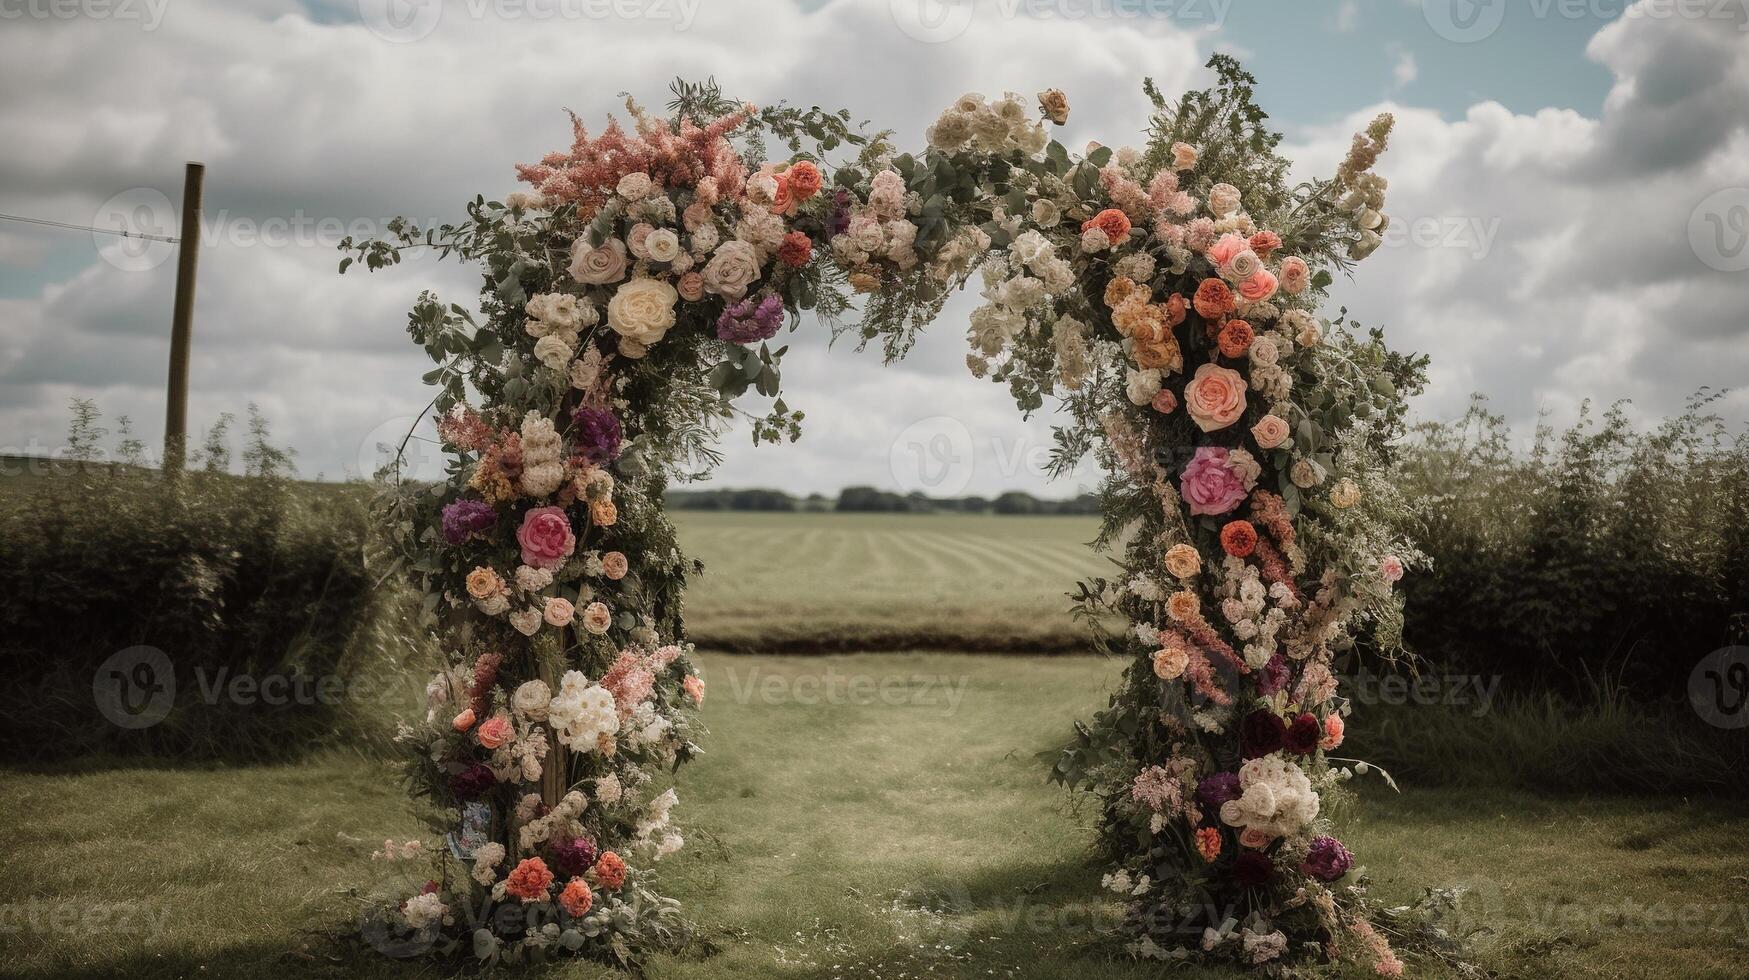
(1253, 869)
(1261, 733)
(1303, 735)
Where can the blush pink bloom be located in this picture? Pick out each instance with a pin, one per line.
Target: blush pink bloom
(1209, 485)
(1392, 569)
(495, 732)
(546, 538)
(1259, 287)
(694, 688)
(1223, 251)
(1270, 431)
(558, 611)
(691, 287)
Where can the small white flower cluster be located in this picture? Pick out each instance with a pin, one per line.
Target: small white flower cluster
(1246, 606)
(581, 713)
(990, 127)
(425, 910)
(487, 857)
(560, 822)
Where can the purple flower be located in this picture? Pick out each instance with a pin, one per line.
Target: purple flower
(473, 782)
(1261, 733)
(1273, 677)
(1218, 789)
(598, 435)
(746, 322)
(575, 855)
(1328, 860)
(464, 519)
(839, 220)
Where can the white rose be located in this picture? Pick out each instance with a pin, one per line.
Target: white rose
(730, 271)
(642, 310)
(1045, 212)
(663, 245)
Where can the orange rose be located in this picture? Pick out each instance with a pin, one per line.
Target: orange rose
(484, 583)
(1183, 561)
(1119, 290)
(577, 898)
(602, 513)
(1158, 351)
(1215, 397)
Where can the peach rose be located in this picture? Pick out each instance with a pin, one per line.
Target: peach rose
(1183, 156)
(1333, 731)
(1055, 105)
(1165, 402)
(1183, 561)
(1226, 249)
(694, 688)
(603, 513)
(1170, 661)
(463, 721)
(597, 618)
(577, 898)
(1183, 606)
(558, 611)
(804, 179)
(495, 732)
(1114, 223)
(614, 565)
(1270, 431)
(1255, 839)
(691, 287)
(484, 583)
(1215, 397)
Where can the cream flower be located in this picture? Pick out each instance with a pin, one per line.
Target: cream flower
(598, 266)
(662, 245)
(732, 268)
(642, 310)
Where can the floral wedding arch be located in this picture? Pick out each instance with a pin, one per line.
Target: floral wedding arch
(1166, 297)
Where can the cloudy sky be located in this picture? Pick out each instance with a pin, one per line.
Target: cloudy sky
(1570, 189)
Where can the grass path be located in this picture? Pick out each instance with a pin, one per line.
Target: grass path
(857, 816)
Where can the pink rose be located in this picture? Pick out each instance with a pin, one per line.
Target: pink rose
(1392, 569)
(1259, 287)
(1270, 431)
(635, 240)
(546, 538)
(1209, 486)
(1165, 402)
(1215, 397)
(1296, 276)
(1228, 248)
(694, 688)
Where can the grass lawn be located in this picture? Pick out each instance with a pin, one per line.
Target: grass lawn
(877, 816)
(809, 582)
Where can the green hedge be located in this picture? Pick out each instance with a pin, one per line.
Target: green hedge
(255, 577)
(1603, 555)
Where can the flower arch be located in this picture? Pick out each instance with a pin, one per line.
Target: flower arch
(1165, 296)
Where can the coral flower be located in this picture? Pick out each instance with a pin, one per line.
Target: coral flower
(577, 898)
(610, 871)
(1236, 338)
(1214, 299)
(804, 179)
(530, 880)
(1113, 222)
(1239, 539)
(1208, 844)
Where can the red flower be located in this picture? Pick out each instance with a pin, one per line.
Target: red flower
(1304, 734)
(1239, 539)
(796, 250)
(1113, 222)
(1214, 299)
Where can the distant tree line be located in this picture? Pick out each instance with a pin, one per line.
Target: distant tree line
(870, 500)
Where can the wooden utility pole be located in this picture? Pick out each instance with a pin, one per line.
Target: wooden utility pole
(182, 322)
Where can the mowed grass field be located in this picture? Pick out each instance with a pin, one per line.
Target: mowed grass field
(810, 582)
(871, 816)
(855, 815)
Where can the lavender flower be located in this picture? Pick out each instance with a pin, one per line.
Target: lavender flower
(1328, 860)
(598, 435)
(745, 322)
(465, 519)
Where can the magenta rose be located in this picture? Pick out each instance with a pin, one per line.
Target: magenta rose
(546, 538)
(1209, 485)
